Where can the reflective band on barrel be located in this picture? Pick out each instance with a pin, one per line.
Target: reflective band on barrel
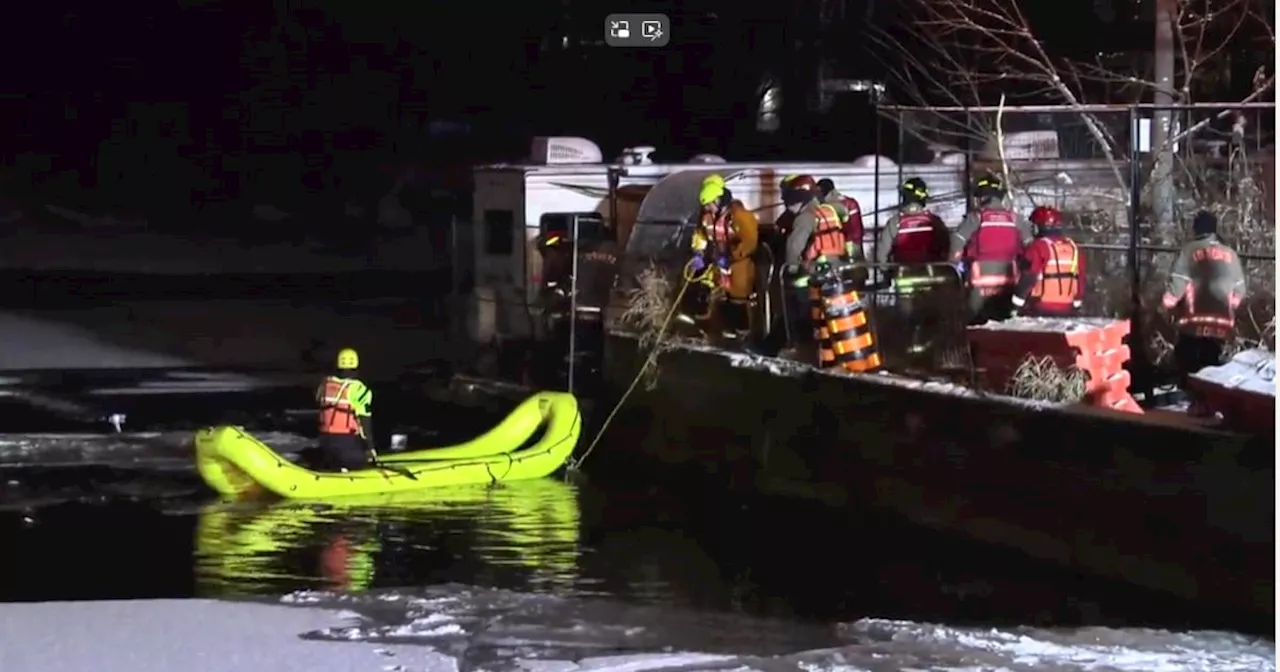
(852, 343)
(826, 357)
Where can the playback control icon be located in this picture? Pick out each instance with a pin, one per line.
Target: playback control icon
(637, 30)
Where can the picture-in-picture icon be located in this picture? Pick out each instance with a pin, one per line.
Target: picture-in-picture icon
(621, 29)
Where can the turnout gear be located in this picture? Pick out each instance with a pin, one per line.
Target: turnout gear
(919, 240)
(727, 236)
(815, 234)
(1206, 286)
(987, 245)
(1051, 271)
(850, 213)
(346, 420)
(1208, 282)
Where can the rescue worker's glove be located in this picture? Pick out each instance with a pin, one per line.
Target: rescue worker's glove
(698, 264)
(1018, 303)
(1077, 304)
(722, 262)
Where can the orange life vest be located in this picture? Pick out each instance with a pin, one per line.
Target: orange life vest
(828, 237)
(1060, 280)
(337, 415)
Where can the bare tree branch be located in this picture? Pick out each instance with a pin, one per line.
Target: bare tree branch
(970, 52)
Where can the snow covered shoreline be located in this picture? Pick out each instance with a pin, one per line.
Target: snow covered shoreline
(448, 628)
(189, 635)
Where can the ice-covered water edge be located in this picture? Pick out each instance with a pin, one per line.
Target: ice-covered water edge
(501, 631)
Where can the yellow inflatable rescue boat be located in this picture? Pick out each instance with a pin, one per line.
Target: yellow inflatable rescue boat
(533, 441)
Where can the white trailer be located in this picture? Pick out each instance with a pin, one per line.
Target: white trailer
(566, 182)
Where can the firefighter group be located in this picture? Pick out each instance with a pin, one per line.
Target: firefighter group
(1004, 263)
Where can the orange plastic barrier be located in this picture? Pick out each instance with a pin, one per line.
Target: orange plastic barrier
(1093, 345)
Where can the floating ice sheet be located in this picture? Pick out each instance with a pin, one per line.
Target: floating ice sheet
(502, 631)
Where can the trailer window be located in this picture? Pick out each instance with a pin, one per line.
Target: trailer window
(499, 232)
(591, 226)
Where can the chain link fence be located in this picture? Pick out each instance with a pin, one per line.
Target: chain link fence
(1104, 166)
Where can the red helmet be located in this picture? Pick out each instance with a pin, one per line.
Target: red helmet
(1046, 217)
(801, 183)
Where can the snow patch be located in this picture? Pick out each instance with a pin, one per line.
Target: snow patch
(189, 635)
(784, 367)
(270, 213)
(98, 222)
(1053, 324)
(1251, 371)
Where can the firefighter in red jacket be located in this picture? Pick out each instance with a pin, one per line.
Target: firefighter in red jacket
(1050, 271)
(919, 241)
(850, 217)
(987, 245)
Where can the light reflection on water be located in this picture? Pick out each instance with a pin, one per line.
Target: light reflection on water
(529, 528)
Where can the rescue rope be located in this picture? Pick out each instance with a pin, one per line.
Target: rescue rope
(690, 277)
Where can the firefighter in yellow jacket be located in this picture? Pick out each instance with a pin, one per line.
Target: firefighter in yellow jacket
(723, 244)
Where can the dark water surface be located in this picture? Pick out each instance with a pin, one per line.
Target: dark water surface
(137, 524)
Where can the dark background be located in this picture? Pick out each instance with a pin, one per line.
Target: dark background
(168, 109)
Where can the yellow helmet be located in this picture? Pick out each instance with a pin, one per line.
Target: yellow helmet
(712, 189)
(348, 359)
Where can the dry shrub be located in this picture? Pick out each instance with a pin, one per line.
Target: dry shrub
(1041, 379)
(649, 311)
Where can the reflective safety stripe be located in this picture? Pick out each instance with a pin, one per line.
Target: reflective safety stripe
(977, 278)
(915, 229)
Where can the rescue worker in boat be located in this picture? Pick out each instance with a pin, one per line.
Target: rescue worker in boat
(1206, 286)
(1050, 270)
(918, 240)
(726, 236)
(850, 217)
(346, 416)
(986, 246)
(815, 234)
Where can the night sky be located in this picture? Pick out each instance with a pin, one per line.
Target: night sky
(217, 79)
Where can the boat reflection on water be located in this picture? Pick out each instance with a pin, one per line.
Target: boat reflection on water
(531, 528)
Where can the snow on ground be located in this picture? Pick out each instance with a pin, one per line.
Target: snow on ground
(111, 250)
(1054, 324)
(1251, 371)
(500, 631)
(191, 636)
(783, 367)
(149, 334)
(450, 628)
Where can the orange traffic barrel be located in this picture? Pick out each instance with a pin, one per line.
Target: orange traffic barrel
(853, 342)
(817, 314)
